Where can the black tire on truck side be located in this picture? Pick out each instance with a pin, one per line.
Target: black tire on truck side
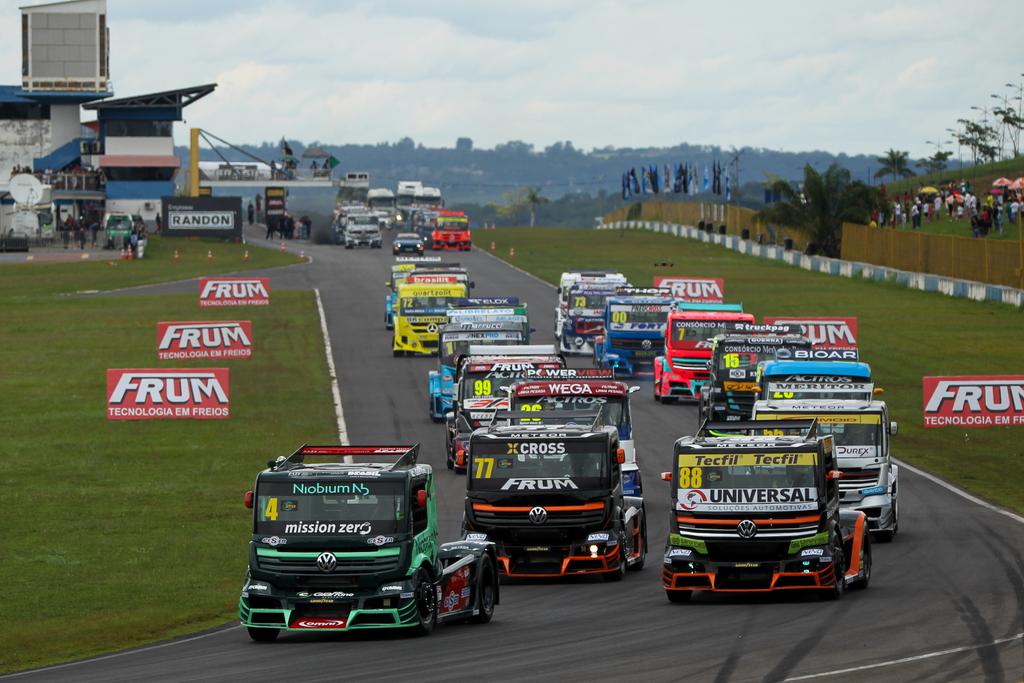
(263, 635)
(426, 603)
(486, 590)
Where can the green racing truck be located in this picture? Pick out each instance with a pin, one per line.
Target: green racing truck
(340, 545)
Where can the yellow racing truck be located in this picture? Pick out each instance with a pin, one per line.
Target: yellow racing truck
(421, 309)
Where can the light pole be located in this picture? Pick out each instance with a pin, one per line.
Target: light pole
(959, 153)
(1002, 124)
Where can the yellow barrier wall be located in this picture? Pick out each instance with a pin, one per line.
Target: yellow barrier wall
(996, 262)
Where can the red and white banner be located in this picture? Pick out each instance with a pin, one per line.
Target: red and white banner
(234, 291)
(698, 290)
(206, 339)
(824, 332)
(974, 401)
(167, 393)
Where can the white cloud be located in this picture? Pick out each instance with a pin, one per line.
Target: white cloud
(857, 77)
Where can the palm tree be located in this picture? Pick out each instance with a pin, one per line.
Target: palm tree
(895, 163)
(533, 198)
(820, 208)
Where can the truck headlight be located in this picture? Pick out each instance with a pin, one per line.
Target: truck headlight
(593, 550)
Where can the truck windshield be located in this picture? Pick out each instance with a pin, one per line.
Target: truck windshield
(652, 315)
(746, 482)
(410, 303)
(488, 384)
(749, 356)
(538, 465)
(847, 434)
(363, 220)
(689, 333)
(454, 344)
(612, 408)
(590, 302)
(315, 507)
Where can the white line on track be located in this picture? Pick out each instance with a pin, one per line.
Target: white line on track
(960, 492)
(905, 660)
(136, 651)
(516, 268)
(342, 427)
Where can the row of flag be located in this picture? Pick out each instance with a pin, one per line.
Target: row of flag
(682, 179)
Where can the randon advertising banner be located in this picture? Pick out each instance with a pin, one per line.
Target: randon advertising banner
(206, 339)
(698, 290)
(234, 291)
(824, 333)
(167, 394)
(974, 401)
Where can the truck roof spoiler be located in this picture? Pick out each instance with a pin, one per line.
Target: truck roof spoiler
(407, 455)
(807, 429)
(580, 418)
(513, 350)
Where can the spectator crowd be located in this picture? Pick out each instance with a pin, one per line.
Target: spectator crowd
(952, 202)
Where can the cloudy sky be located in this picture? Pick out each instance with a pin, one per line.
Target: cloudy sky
(856, 78)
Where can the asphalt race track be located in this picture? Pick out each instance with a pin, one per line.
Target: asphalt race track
(948, 587)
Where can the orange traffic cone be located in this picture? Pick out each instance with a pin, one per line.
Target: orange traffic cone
(124, 254)
(492, 245)
(282, 247)
(511, 252)
(131, 254)
(209, 254)
(177, 256)
(246, 257)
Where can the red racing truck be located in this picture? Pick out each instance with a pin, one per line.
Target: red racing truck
(683, 367)
(452, 231)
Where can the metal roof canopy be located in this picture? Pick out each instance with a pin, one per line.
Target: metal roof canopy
(175, 99)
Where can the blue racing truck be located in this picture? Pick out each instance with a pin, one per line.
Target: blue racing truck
(506, 311)
(454, 340)
(634, 327)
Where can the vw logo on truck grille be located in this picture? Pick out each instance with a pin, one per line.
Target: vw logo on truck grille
(538, 515)
(326, 562)
(746, 529)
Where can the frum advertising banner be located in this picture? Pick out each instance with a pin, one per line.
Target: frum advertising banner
(202, 217)
(206, 339)
(974, 401)
(168, 394)
(234, 291)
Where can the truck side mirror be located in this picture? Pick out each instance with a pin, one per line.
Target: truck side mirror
(633, 390)
(877, 390)
(248, 499)
(421, 498)
(666, 476)
(833, 475)
(620, 455)
(894, 427)
(449, 416)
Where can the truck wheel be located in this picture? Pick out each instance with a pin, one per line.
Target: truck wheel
(865, 565)
(678, 596)
(835, 591)
(486, 589)
(426, 604)
(620, 571)
(263, 635)
(639, 564)
(886, 535)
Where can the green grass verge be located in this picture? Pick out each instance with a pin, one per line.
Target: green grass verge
(904, 334)
(159, 265)
(980, 176)
(121, 533)
(962, 228)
